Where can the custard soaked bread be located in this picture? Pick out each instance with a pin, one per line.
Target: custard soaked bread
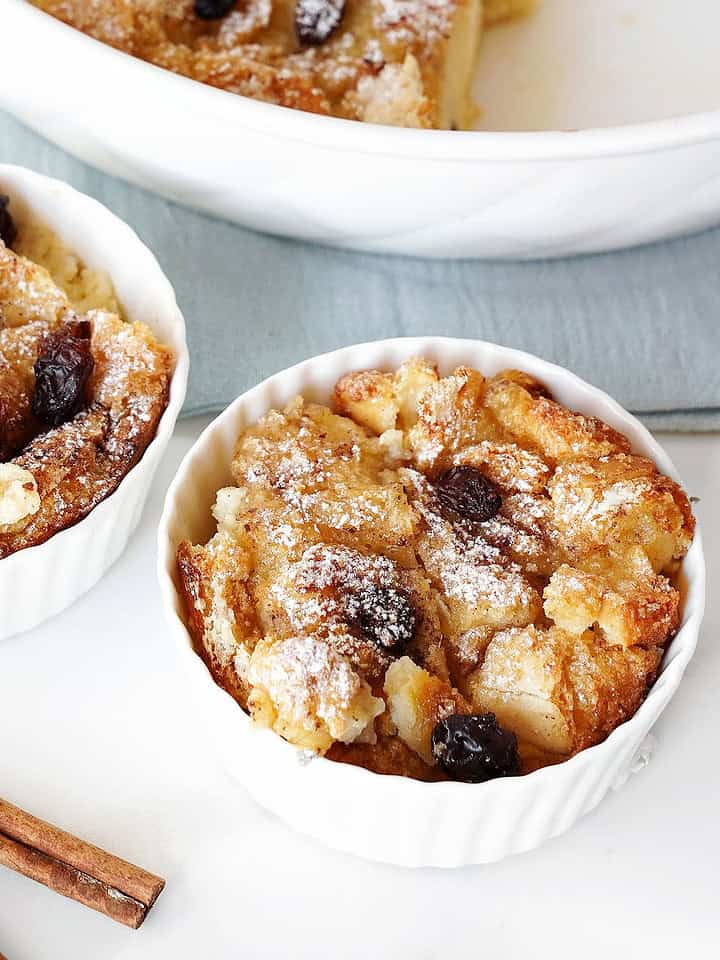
(442, 577)
(81, 394)
(402, 62)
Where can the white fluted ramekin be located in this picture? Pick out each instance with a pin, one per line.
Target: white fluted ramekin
(40, 581)
(442, 824)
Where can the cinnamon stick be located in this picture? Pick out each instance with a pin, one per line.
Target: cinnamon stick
(76, 869)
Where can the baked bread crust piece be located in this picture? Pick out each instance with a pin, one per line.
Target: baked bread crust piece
(401, 62)
(78, 464)
(552, 613)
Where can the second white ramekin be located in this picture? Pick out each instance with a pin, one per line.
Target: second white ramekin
(387, 818)
(40, 581)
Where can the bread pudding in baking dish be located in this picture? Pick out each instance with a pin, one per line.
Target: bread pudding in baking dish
(81, 390)
(440, 577)
(401, 62)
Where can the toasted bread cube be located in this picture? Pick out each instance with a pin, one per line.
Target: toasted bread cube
(558, 692)
(627, 610)
(384, 401)
(308, 693)
(477, 584)
(220, 609)
(417, 700)
(525, 532)
(28, 293)
(412, 380)
(430, 647)
(620, 502)
(521, 681)
(508, 466)
(325, 592)
(536, 421)
(451, 416)
(330, 476)
(368, 396)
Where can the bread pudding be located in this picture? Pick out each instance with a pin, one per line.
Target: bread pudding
(401, 62)
(440, 577)
(81, 390)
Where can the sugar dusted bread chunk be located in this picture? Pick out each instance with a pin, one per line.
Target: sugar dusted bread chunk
(539, 423)
(478, 584)
(618, 502)
(559, 692)
(28, 293)
(308, 693)
(385, 401)
(628, 607)
(508, 465)
(328, 472)
(440, 416)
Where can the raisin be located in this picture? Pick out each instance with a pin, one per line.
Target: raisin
(384, 616)
(213, 9)
(8, 230)
(474, 749)
(61, 374)
(463, 492)
(316, 20)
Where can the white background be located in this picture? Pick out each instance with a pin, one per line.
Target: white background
(96, 736)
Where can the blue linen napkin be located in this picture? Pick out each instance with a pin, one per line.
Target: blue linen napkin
(642, 324)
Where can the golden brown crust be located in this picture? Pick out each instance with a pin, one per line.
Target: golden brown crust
(19, 349)
(628, 609)
(210, 589)
(562, 693)
(540, 423)
(388, 756)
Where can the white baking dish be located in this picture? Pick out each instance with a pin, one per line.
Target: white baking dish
(443, 824)
(544, 193)
(38, 582)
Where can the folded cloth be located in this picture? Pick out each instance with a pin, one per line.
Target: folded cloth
(641, 324)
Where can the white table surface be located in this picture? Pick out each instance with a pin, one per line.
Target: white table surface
(95, 735)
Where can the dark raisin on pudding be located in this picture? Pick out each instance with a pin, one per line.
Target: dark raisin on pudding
(474, 749)
(62, 372)
(317, 20)
(213, 9)
(464, 493)
(8, 230)
(384, 616)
